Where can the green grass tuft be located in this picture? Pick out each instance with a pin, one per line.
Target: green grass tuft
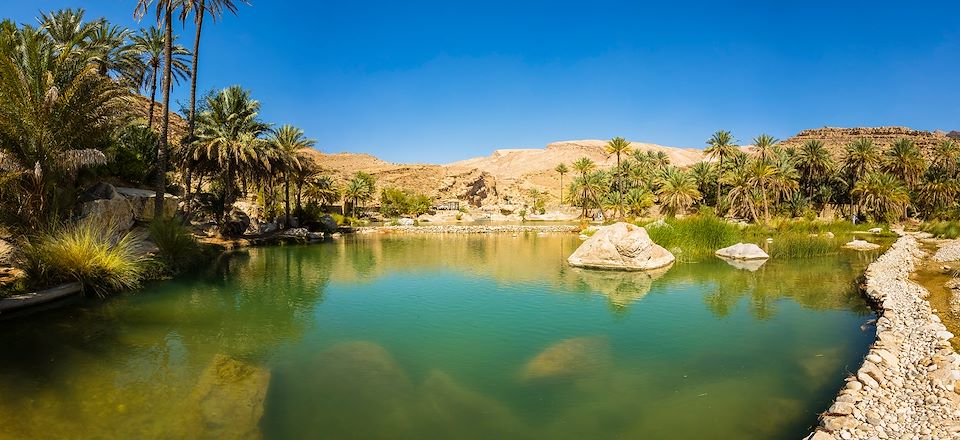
(178, 248)
(90, 252)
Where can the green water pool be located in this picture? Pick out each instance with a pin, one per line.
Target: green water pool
(441, 336)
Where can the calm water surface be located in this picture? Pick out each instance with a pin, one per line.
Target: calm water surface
(489, 336)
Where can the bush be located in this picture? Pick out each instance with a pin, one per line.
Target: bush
(91, 252)
(178, 248)
(943, 229)
(395, 202)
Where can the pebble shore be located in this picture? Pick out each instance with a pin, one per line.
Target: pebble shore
(468, 229)
(949, 251)
(905, 388)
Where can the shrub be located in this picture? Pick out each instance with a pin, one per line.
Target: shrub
(91, 252)
(178, 249)
(944, 229)
(395, 202)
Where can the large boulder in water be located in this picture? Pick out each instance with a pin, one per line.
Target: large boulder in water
(742, 251)
(620, 246)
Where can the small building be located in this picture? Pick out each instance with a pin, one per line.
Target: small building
(448, 205)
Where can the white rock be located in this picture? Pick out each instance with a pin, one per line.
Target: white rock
(620, 246)
(742, 251)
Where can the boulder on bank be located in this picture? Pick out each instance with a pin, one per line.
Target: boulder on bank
(327, 224)
(142, 203)
(621, 246)
(861, 245)
(235, 223)
(103, 202)
(742, 251)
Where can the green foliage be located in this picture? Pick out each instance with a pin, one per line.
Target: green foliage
(693, 237)
(133, 154)
(178, 248)
(943, 229)
(395, 202)
(90, 252)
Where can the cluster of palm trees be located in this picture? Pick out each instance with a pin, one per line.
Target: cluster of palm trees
(863, 181)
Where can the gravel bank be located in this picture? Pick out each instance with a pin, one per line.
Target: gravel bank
(948, 251)
(468, 229)
(905, 387)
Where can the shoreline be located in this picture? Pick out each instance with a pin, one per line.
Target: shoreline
(466, 229)
(905, 386)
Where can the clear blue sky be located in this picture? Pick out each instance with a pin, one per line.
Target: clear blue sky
(440, 81)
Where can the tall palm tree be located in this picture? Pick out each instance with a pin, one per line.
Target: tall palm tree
(200, 8)
(149, 44)
(561, 170)
(584, 166)
(904, 159)
(946, 157)
(289, 142)
(720, 146)
(618, 146)
(228, 136)
(813, 162)
(677, 190)
(766, 146)
(108, 47)
(741, 195)
(861, 157)
(761, 174)
(165, 10)
(706, 176)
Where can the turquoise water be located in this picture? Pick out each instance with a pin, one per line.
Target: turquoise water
(485, 336)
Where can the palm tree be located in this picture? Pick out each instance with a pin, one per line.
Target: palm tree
(584, 166)
(677, 190)
(761, 174)
(322, 190)
(149, 44)
(741, 195)
(813, 162)
(618, 146)
(561, 170)
(946, 157)
(289, 141)
(706, 176)
(67, 29)
(228, 137)
(904, 159)
(861, 158)
(882, 195)
(200, 8)
(766, 146)
(107, 46)
(720, 146)
(55, 111)
(164, 11)
(638, 200)
(359, 190)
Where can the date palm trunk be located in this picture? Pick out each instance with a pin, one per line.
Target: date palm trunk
(165, 129)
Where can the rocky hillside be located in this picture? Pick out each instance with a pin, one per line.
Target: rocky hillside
(837, 139)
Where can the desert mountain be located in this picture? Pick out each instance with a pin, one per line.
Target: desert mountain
(837, 139)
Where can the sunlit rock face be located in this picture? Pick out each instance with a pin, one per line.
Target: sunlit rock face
(621, 246)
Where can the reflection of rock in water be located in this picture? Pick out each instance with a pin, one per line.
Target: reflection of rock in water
(227, 402)
(751, 265)
(357, 390)
(569, 358)
(621, 288)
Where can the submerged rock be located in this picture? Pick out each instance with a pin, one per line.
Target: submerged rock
(568, 358)
(227, 401)
(621, 246)
(861, 245)
(742, 251)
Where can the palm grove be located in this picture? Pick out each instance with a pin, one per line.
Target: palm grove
(71, 115)
(865, 181)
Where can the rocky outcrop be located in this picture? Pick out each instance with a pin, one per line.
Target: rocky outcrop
(142, 203)
(742, 251)
(327, 225)
(620, 246)
(837, 139)
(906, 386)
(861, 245)
(104, 203)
